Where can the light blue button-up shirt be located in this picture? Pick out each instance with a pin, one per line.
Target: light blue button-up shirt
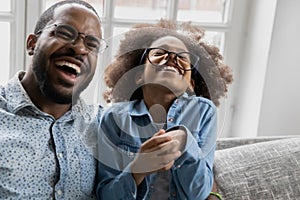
(125, 126)
(44, 158)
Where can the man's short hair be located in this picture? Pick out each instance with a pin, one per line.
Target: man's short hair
(48, 14)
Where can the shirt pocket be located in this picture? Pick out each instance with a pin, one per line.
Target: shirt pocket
(128, 152)
(87, 164)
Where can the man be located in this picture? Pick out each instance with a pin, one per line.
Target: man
(42, 154)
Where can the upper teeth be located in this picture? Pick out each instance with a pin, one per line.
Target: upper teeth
(71, 65)
(170, 68)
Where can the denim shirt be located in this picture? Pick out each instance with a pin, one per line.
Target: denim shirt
(125, 126)
(44, 158)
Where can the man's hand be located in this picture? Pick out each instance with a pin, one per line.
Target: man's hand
(156, 154)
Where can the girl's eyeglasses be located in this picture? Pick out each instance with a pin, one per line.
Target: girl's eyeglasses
(159, 57)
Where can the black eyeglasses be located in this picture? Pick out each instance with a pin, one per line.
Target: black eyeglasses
(68, 34)
(158, 57)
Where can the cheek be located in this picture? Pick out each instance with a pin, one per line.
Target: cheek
(93, 63)
(187, 76)
(149, 72)
(49, 50)
(49, 42)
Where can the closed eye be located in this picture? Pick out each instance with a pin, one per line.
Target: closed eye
(92, 42)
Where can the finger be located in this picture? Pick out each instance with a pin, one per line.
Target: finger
(177, 134)
(159, 148)
(167, 148)
(169, 157)
(155, 141)
(145, 163)
(169, 162)
(167, 166)
(160, 132)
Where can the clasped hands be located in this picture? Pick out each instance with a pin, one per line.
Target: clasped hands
(158, 153)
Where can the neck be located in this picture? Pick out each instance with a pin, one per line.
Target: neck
(158, 104)
(41, 101)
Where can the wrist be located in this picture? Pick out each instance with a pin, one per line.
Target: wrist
(214, 196)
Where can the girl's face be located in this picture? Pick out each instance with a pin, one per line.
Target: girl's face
(165, 68)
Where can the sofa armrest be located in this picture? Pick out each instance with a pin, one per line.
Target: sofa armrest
(225, 143)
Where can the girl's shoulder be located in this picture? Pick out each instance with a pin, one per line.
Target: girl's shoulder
(201, 101)
(120, 107)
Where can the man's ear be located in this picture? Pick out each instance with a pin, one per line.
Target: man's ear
(31, 43)
(139, 77)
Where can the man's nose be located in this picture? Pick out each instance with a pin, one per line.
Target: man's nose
(79, 45)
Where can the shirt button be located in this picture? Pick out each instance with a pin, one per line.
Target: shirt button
(176, 101)
(59, 192)
(59, 155)
(170, 119)
(131, 153)
(174, 194)
(178, 166)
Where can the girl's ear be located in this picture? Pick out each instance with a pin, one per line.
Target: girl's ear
(191, 86)
(31, 43)
(139, 77)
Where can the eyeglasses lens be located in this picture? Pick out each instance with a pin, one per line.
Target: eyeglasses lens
(158, 56)
(68, 34)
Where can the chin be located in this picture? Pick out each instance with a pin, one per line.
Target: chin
(63, 98)
(174, 89)
(60, 96)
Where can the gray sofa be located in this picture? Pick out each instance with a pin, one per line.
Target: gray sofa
(258, 168)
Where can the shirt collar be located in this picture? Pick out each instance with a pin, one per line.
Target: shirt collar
(184, 95)
(139, 108)
(17, 98)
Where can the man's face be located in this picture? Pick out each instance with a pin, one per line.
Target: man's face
(168, 75)
(63, 70)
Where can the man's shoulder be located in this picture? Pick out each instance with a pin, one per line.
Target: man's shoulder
(12, 92)
(82, 108)
(2, 91)
(3, 97)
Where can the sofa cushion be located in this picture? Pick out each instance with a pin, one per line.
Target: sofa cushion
(266, 170)
(225, 143)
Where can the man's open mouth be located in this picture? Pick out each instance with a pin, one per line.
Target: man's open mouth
(68, 67)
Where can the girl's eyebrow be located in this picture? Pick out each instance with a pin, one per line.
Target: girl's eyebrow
(166, 47)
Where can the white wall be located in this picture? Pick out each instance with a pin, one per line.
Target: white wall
(267, 96)
(252, 70)
(266, 59)
(280, 111)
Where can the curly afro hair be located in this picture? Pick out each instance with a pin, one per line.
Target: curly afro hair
(211, 77)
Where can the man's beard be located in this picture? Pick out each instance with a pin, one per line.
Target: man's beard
(45, 85)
